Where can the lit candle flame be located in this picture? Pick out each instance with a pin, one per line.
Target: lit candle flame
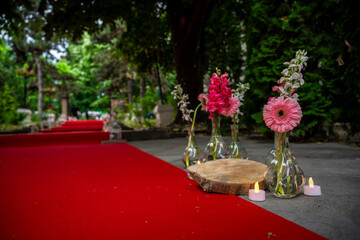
(256, 187)
(198, 162)
(311, 182)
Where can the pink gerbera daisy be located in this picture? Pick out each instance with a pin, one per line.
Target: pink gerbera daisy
(282, 114)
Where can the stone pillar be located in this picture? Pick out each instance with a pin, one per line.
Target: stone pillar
(164, 115)
(64, 106)
(64, 111)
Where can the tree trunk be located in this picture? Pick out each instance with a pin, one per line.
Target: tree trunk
(40, 85)
(157, 74)
(187, 23)
(130, 84)
(142, 88)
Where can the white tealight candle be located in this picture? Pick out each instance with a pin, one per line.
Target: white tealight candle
(311, 189)
(256, 194)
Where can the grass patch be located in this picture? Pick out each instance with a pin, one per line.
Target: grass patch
(9, 127)
(146, 124)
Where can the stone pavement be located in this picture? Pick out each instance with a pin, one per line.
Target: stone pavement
(335, 167)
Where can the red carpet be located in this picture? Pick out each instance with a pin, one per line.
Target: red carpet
(74, 128)
(80, 125)
(55, 138)
(83, 122)
(116, 191)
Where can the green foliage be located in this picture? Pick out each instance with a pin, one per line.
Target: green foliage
(70, 18)
(148, 123)
(146, 40)
(8, 114)
(34, 118)
(275, 30)
(8, 69)
(135, 36)
(140, 109)
(113, 71)
(149, 101)
(224, 38)
(30, 45)
(135, 109)
(50, 110)
(81, 63)
(101, 103)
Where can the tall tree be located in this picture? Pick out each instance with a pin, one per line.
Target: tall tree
(81, 59)
(8, 69)
(146, 42)
(113, 67)
(29, 38)
(186, 21)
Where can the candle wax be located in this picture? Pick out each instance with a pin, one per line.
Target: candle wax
(257, 196)
(312, 191)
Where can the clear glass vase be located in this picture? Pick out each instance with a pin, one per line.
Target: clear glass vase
(107, 127)
(270, 156)
(216, 147)
(236, 148)
(284, 177)
(191, 154)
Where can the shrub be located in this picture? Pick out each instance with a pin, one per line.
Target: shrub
(8, 107)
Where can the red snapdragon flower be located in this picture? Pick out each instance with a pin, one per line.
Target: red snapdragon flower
(220, 100)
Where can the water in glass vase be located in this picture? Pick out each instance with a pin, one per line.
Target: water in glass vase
(191, 154)
(284, 177)
(236, 148)
(216, 147)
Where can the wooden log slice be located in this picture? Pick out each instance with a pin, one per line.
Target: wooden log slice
(229, 176)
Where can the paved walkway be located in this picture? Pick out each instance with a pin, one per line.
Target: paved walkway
(335, 167)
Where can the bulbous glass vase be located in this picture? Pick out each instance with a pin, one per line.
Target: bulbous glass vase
(191, 154)
(284, 177)
(236, 148)
(270, 156)
(216, 147)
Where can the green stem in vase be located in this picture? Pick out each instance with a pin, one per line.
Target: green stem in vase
(235, 132)
(187, 161)
(215, 140)
(288, 185)
(234, 146)
(279, 166)
(196, 109)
